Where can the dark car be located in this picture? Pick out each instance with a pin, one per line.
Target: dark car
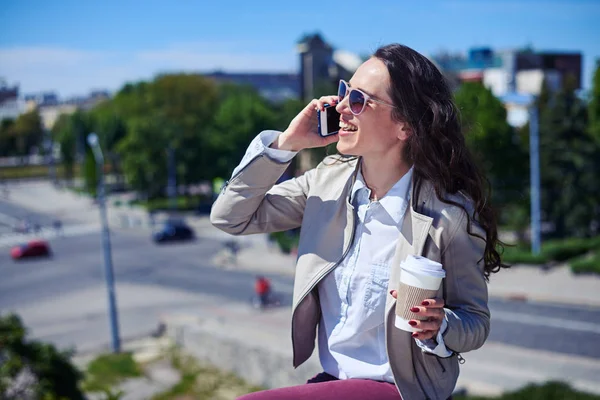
(34, 248)
(172, 232)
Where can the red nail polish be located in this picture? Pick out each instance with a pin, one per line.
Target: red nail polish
(412, 323)
(425, 303)
(415, 334)
(415, 309)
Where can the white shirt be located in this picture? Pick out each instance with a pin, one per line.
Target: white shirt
(352, 296)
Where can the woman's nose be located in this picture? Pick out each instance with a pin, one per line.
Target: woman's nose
(342, 106)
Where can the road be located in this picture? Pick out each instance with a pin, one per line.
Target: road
(185, 272)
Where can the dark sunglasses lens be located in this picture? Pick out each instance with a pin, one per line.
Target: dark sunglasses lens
(357, 101)
(342, 91)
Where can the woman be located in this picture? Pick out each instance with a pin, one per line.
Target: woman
(411, 188)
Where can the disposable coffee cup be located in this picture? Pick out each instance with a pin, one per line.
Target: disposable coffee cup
(420, 279)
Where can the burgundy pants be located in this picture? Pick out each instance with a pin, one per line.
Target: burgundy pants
(326, 387)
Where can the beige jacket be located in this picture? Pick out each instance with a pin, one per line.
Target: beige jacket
(318, 201)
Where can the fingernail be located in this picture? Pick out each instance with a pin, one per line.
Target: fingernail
(415, 309)
(425, 303)
(412, 323)
(415, 334)
(392, 292)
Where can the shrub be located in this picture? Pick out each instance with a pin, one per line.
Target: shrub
(45, 371)
(588, 264)
(286, 240)
(562, 250)
(522, 255)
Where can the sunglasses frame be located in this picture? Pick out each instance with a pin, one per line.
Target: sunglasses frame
(367, 98)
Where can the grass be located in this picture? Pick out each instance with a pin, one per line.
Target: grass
(547, 391)
(108, 370)
(203, 382)
(33, 171)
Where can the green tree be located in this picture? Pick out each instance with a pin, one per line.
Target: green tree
(8, 143)
(241, 115)
(34, 369)
(28, 131)
(594, 105)
(180, 108)
(568, 165)
(495, 145)
(63, 132)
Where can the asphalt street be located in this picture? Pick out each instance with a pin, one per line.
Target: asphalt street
(77, 265)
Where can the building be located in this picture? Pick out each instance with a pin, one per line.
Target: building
(275, 87)
(514, 76)
(321, 66)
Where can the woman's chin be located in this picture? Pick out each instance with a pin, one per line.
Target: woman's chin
(345, 147)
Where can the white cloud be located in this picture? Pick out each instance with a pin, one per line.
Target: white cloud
(75, 72)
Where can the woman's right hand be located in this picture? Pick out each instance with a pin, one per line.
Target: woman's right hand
(302, 132)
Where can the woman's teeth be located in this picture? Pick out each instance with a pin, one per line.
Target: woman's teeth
(349, 128)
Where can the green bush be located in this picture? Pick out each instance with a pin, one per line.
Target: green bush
(55, 377)
(286, 240)
(547, 391)
(552, 250)
(562, 250)
(522, 255)
(587, 264)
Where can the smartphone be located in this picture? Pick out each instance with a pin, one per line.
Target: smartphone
(329, 121)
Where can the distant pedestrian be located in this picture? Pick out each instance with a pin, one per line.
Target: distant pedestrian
(404, 185)
(262, 288)
(57, 225)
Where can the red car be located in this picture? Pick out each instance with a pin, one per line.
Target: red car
(35, 248)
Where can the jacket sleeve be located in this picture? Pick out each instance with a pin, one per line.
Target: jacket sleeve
(466, 290)
(251, 202)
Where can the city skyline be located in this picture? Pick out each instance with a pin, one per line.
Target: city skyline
(75, 48)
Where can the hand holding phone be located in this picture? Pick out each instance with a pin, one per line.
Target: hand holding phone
(329, 121)
(302, 132)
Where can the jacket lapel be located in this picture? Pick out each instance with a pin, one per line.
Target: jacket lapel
(413, 235)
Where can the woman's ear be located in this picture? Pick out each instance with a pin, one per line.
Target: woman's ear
(403, 131)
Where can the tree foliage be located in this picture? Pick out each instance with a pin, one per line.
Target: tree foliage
(34, 370)
(19, 137)
(494, 143)
(569, 161)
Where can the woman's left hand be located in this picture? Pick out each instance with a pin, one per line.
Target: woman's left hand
(431, 308)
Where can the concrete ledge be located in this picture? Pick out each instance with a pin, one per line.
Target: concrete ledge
(234, 350)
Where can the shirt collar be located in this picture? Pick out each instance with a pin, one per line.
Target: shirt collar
(395, 200)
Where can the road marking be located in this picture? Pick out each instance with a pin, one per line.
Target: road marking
(48, 233)
(550, 322)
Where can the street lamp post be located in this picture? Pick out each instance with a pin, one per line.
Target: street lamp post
(92, 140)
(534, 170)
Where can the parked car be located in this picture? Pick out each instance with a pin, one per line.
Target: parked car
(173, 231)
(32, 249)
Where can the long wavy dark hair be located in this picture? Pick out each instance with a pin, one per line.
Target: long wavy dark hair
(436, 145)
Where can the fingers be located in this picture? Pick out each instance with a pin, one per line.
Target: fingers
(433, 303)
(331, 100)
(428, 312)
(431, 324)
(424, 335)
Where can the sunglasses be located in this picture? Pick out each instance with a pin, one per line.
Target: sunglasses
(357, 99)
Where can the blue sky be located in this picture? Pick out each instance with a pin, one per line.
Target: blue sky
(73, 47)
